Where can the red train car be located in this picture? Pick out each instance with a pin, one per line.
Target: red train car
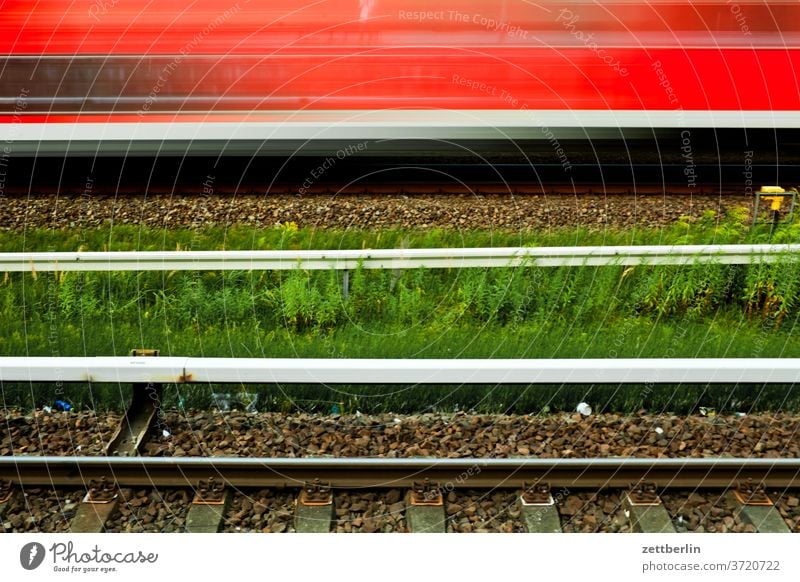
(274, 75)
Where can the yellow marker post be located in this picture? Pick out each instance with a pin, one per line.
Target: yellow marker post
(776, 197)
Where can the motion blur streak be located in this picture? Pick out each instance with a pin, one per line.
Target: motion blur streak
(147, 57)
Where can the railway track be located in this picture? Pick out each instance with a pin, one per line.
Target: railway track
(166, 490)
(425, 480)
(346, 494)
(94, 207)
(421, 189)
(359, 473)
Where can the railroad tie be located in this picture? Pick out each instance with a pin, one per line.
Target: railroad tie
(645, 511)
(209, 506)
(314, 508)
(539, 510)
(751, 502)
(425, 508)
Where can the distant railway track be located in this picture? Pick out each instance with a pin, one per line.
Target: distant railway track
(398, 188)
(483, 189)
(548, 188)
(94, 203)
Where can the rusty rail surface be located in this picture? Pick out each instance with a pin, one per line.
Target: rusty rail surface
(386, 473)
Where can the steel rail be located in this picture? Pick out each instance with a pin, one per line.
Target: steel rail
(186, 370)
(249, 260)
(382, 472)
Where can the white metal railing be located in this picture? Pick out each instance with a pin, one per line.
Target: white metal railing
(186, 370)
(394, 258)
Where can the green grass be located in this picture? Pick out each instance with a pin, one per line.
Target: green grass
(705, 230)
(525, 312)
(724, 336)
(302, 301)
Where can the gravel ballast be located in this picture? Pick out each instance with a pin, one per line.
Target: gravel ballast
(367, 211)
(41, 509)
(476, 511)
(370, 512)
(586, 512)
(264, 511)
(150, 510)
(454, 435)
(436, 435)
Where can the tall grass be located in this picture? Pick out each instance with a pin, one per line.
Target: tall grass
(524, 312)
(723, 336)
(313, 300)
(707, 229)
(477, 315)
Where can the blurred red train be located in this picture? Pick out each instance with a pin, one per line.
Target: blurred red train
(271, 75)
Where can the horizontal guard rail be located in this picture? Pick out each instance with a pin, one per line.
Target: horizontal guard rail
(394, 258)
(187, 370)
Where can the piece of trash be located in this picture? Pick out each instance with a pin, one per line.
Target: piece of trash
(249, 400)
(60, 405)
(659, 430)
(222, 400)
(335, 409)
(47, 409)
(397, 421)
(545, 409)
(584, 409)
(165, 433)
(78, 448)
(358, 414)
(707, 411)
(740, 414)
